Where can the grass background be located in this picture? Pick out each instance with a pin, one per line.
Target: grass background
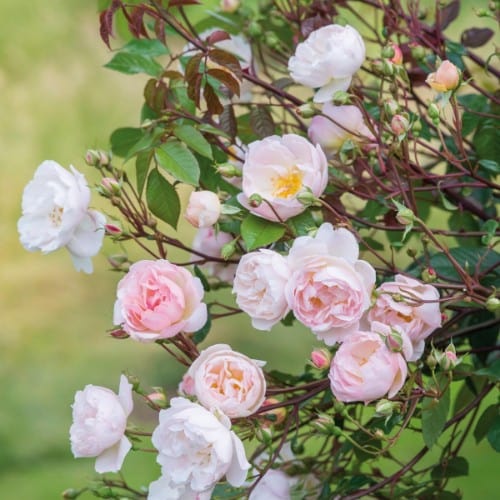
(56, 101)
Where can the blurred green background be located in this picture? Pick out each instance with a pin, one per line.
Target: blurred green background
(56, 101)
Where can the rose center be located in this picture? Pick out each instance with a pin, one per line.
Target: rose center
(288, 185)
(404, 317)
(56, 215)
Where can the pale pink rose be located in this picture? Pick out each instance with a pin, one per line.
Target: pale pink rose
(410, 305)
(279, 168)
(210, 242)
(339, 124)
(99, 423)
(56, 214)
(330, 288)
(203, 209)
(327, 60)
(274, 485)
(447, 77)
(259, 286)
(227, 380)
(164, 489)
(364, 369)
(157, 299)
(197, 448)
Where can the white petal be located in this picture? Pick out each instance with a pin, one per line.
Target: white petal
(325, 93)
(111, 460)
(125, 395)
(237, 472)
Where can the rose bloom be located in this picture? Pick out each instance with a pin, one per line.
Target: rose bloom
(197, 448)
(209, 242)
(410, 305)
(329, 289)
(164, 489)
(277, 169)
(365, 369)
(99, 423)
(157, 299)
(327, 59)
(259, 286)
(447, 77)
(228, 381)
(55, 214)
(203, 209)
(347, 124)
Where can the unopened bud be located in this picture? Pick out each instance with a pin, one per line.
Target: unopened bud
(275, 416)
(378, 66)
(391, 107)
(386, 408)
(71, 493)
(297, 447)
(324, 424)
(429, 275)
(394, 340)
(433, 111)
(432, 360)
(397, 58)
(158, 398)
(254, 29)
(405, 216)
(272, 40)
(411, 252)
(418, 52)
(341, 97)
(255, 200)
(448, 359)
(228, 170)
(321, 358)
(264, 434)
(110, 186)
(493, 304)
(447, 77)
(229, 5)
(228, 250)
(113, 229)
(134, 380)
(97, 158)
(307, 198)
(387, 68)
(400, 125)
(307, 110)
(416, 127)
(117, 260)
(388, 52)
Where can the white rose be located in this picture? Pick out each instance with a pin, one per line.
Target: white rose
(55, 215)
(278, 169)
(99, 423)
(274, 485)
(327, 59)
(346, 123)
(196, 448)
(203, 209)
(227, 380)
(259, 286)
(163, 489)
(209, 242)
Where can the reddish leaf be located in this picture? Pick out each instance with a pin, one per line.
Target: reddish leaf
(217, 36)
(449, 13)
(227, 79)
(227, 121)
(476, 37)
(261, 121)
(181, 3)
(136, 22)
(194, 87)
(106, 21)
(226, 60)
(155, 95)
(160, 31)
(192, 67)
(214, 105)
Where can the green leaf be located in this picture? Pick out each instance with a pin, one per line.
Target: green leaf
(199, 274)
(162, 198)
(494, 434)
(178, 161)
(194, 140)
(202, 333)
(455, 467)
(486, 140)
(145, 47)
(434, 415)
(490, 226)
(123, 139)
(485, 422)
(131, 64)
(492, 371)
(490, 165)
(142, 163)
(257, 232)
(301, 224)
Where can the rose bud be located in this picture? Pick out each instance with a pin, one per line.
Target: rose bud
(399, 124)
(277, 415)
(321, 358)
(203, 209)
(447, 77)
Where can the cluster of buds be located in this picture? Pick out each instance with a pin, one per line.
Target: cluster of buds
(446, 360)
(97, 158)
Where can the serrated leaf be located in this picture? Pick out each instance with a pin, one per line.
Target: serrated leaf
(162, 199)
(227, 79)
(214, 105)
(123, 139)
(485, 421)
(227, 121)
(257, 232)
(194, 140)
(142, 163)
(131, 64)
(261, 121)
(434, 415)
(179, 162)
(454, 467)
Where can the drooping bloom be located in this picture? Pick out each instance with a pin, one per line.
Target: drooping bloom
(227, 380)
(329, 289)
(157, 299)
(365, 369)
(339, 124)
(99, 423)
(56, 214)
(197, 448)
(259, 286)
(412, 306)
(277, 169)
(327, 60)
